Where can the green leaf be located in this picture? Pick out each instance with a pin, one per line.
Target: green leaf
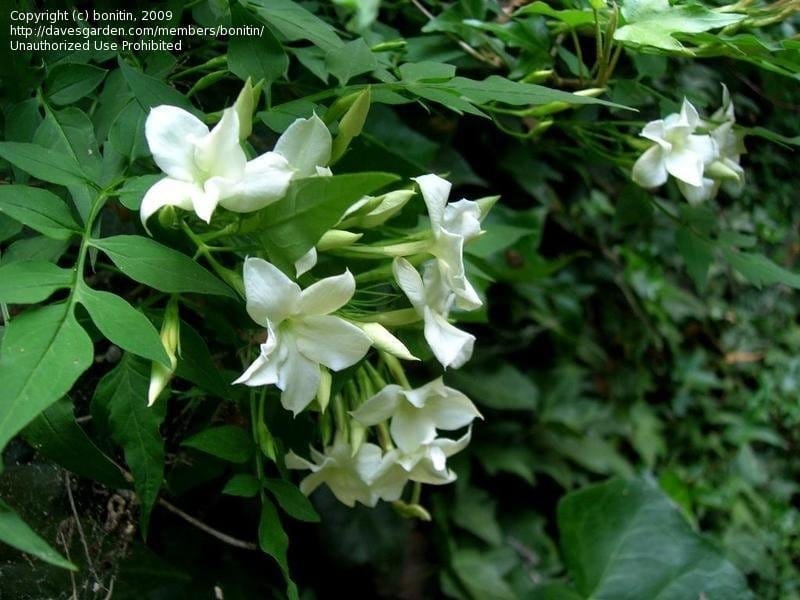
(572, 17)
(150, 92)
(294, 224)
(38, 248)
(354, 58)
(475, 511)
(296, 23)
(15, 532)
(504, 388)
(500, 89)
(38, 209)
(160, 267)
(426, 71)
(43, 163)
(479, 576)
(43, 353)
(760, 270)
(196, 365)
(126, 135)
(227, 442)
(292, 500)
(697, 253)
(71, 132)
(122, 324)
(29, 282)
(654, 22)
(122, 393)
(8, 227)
(256, 57)
(134, 189)
(625, 539)
(57, 436)
(68, 82)
(242, 484)
(272, 539)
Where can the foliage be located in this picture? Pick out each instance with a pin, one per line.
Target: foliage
(635, 356)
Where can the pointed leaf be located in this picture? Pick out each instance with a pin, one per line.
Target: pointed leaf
(38, 209)
(15, 532)
(28, 282)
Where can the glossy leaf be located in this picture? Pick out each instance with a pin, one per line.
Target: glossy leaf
(38, 209)
(15, 532)
(28, 282)
(227, 442)
(42, 163)
(292, 500)
(68, 82)
(160, 267)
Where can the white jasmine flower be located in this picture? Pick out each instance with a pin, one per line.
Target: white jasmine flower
(426, 464)
(417, 414)
(206, 169)
(677, 151)
(302, 334)
(347, 474)
(453, 225)
(730, 145)
(433, 299)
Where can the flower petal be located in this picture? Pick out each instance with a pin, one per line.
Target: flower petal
(263, 371)
(299, 379)
(327, 295)
(219, 153)
(382, 339)
(451, 346)
(306, 144)
(171, 133)
(271, 295)
(451, 447)
(265, 180)
(689, 114)
(649, 171)
(698, 194)
(685, 165)
(704, 146)
(410, 282)
(305, 263)
(331, 341)
(167, 192)
(452, 411)
(380, 407)
(435, 192)
(656, 131)
(463, 218)
(410, 428)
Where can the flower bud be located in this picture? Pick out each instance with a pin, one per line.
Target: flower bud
(337, 238)
(383, 339)
(719, 170)
(324, 390)
(167, 217)
(244, 106)
(170, 338)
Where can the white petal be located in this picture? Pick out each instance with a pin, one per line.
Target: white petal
(271, 295)
(293, 461)
(219, 153)
(383, 339)
(392, 478)
(299, 380)
(410, 282)
(463, 218)
(205, 204)
(167, 192)
(263, 371)
(171, 133)
(410, 428)
(704, 146)
(265, 180)
(435, 192)
(685, 165)
(451, 346)
(452, 411)
(656, 132)
(305, 263)
(327, 295)
(380, 407)
(698, 194)
(451, 447)
(330, 341)
(418, 397)
(306, 144)
(649, 171)
(689, 114)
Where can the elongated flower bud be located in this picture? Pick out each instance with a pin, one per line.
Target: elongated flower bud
(170, 337)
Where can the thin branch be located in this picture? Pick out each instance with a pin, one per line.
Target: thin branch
(79, 527)
(224, 537)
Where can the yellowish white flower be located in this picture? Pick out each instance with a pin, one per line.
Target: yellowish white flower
(417, 414)
(206, 169)
(301, 332)
(433, 298)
